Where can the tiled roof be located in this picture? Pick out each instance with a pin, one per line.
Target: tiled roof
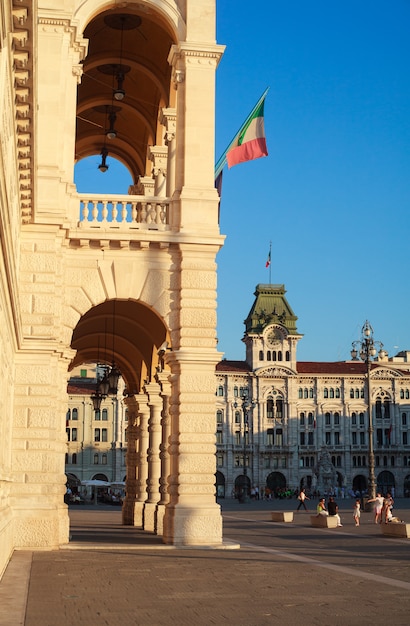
(233, 366)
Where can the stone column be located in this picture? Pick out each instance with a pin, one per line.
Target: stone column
(158, 156)
(142, 460)
(128, 507)
(162, 379)
(154, 463)
(168, 119)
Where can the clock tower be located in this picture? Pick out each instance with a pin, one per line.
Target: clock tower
(271, 335)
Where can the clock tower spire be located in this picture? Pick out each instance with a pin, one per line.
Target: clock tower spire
(270, 329)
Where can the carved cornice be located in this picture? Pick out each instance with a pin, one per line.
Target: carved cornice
(22, 56)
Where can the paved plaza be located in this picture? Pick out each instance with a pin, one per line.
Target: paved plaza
(282, 574)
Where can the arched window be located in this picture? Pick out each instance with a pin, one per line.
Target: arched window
(260, 355)
(280, 355)
(356, 393)
(68, 415)
(235, 392)
(404, 419)
(300, 393)
(378, 408)
(237, 417)
(268, 356)
(305, 393)
(302, 419)
(220, 390)
(325, 392)
(327, 419)
(74, 459)
(354, 419)
(274, 357)
(401, 394)
(104, 459)
(331, 393)
(352, 393)
(219, 416)
(279, 408)
(386, 409)
(95, 459)
(407, 394)
(74, 414)
(287, 355)
(269, 407)
(361, 419)
(311, 392)
(336, 419)
(104, 414)
(310, 419)
(337, 392)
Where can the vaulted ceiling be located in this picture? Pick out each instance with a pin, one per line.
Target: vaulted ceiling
(127, 56)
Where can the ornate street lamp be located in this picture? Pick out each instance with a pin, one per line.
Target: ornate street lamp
(246, 406)
(366, 349)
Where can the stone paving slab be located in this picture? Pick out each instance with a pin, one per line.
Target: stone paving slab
(283, 573)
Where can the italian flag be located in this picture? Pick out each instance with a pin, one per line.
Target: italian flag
(250, 142)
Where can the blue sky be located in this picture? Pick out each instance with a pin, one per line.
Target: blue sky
(333, 196)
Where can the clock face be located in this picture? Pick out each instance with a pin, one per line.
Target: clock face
(274, 337)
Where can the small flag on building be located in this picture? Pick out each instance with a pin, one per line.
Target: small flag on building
(268, 260)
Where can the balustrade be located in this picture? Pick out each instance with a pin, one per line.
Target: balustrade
(123, 212)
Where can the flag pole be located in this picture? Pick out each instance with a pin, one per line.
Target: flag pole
(270, 264)
(220, 164)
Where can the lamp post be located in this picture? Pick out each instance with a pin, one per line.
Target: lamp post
(246, 405)
(366, 349)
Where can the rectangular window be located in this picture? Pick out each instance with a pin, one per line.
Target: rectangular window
(237, 460)
(97, 434)
(362, 440)
(278, 437)
(327, 438)
(302, 439)
(219, 460)
(361, 418)
(354, 439)
(266, 462)
(310, 439)
(219, 438)
(68, 433)
(238, 438)
(337, 438)
(269, 437)
(74, 434)
(405, 439)
(104, 434)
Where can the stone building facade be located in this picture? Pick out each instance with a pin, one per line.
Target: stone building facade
(127, 279)
(288, 420)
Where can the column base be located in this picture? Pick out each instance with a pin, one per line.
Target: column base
(193, 526)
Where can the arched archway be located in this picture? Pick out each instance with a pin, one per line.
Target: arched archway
(359, 483)
(406, 486)
(242, 487)
(220, 485)
(276, 481)
(385, 481)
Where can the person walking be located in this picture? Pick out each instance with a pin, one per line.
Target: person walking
(302, 497)
(356, 512)
(334, 510)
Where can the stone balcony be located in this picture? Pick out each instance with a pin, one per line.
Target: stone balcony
(119, 221)
(123, 212)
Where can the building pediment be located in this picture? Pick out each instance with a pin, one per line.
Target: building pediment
(274, 371)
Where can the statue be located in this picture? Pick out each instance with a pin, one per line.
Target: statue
(325, 473)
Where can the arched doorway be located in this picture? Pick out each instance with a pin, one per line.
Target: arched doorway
(385, 482)
(242, 487)
(275, 482)
(219, 485)
(406, 486)
(359, 483)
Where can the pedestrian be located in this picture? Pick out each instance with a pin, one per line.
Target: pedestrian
(321, 507)
(388, 503)
(334, 510)
(356, 512)
(302, 497)
(378, 508)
